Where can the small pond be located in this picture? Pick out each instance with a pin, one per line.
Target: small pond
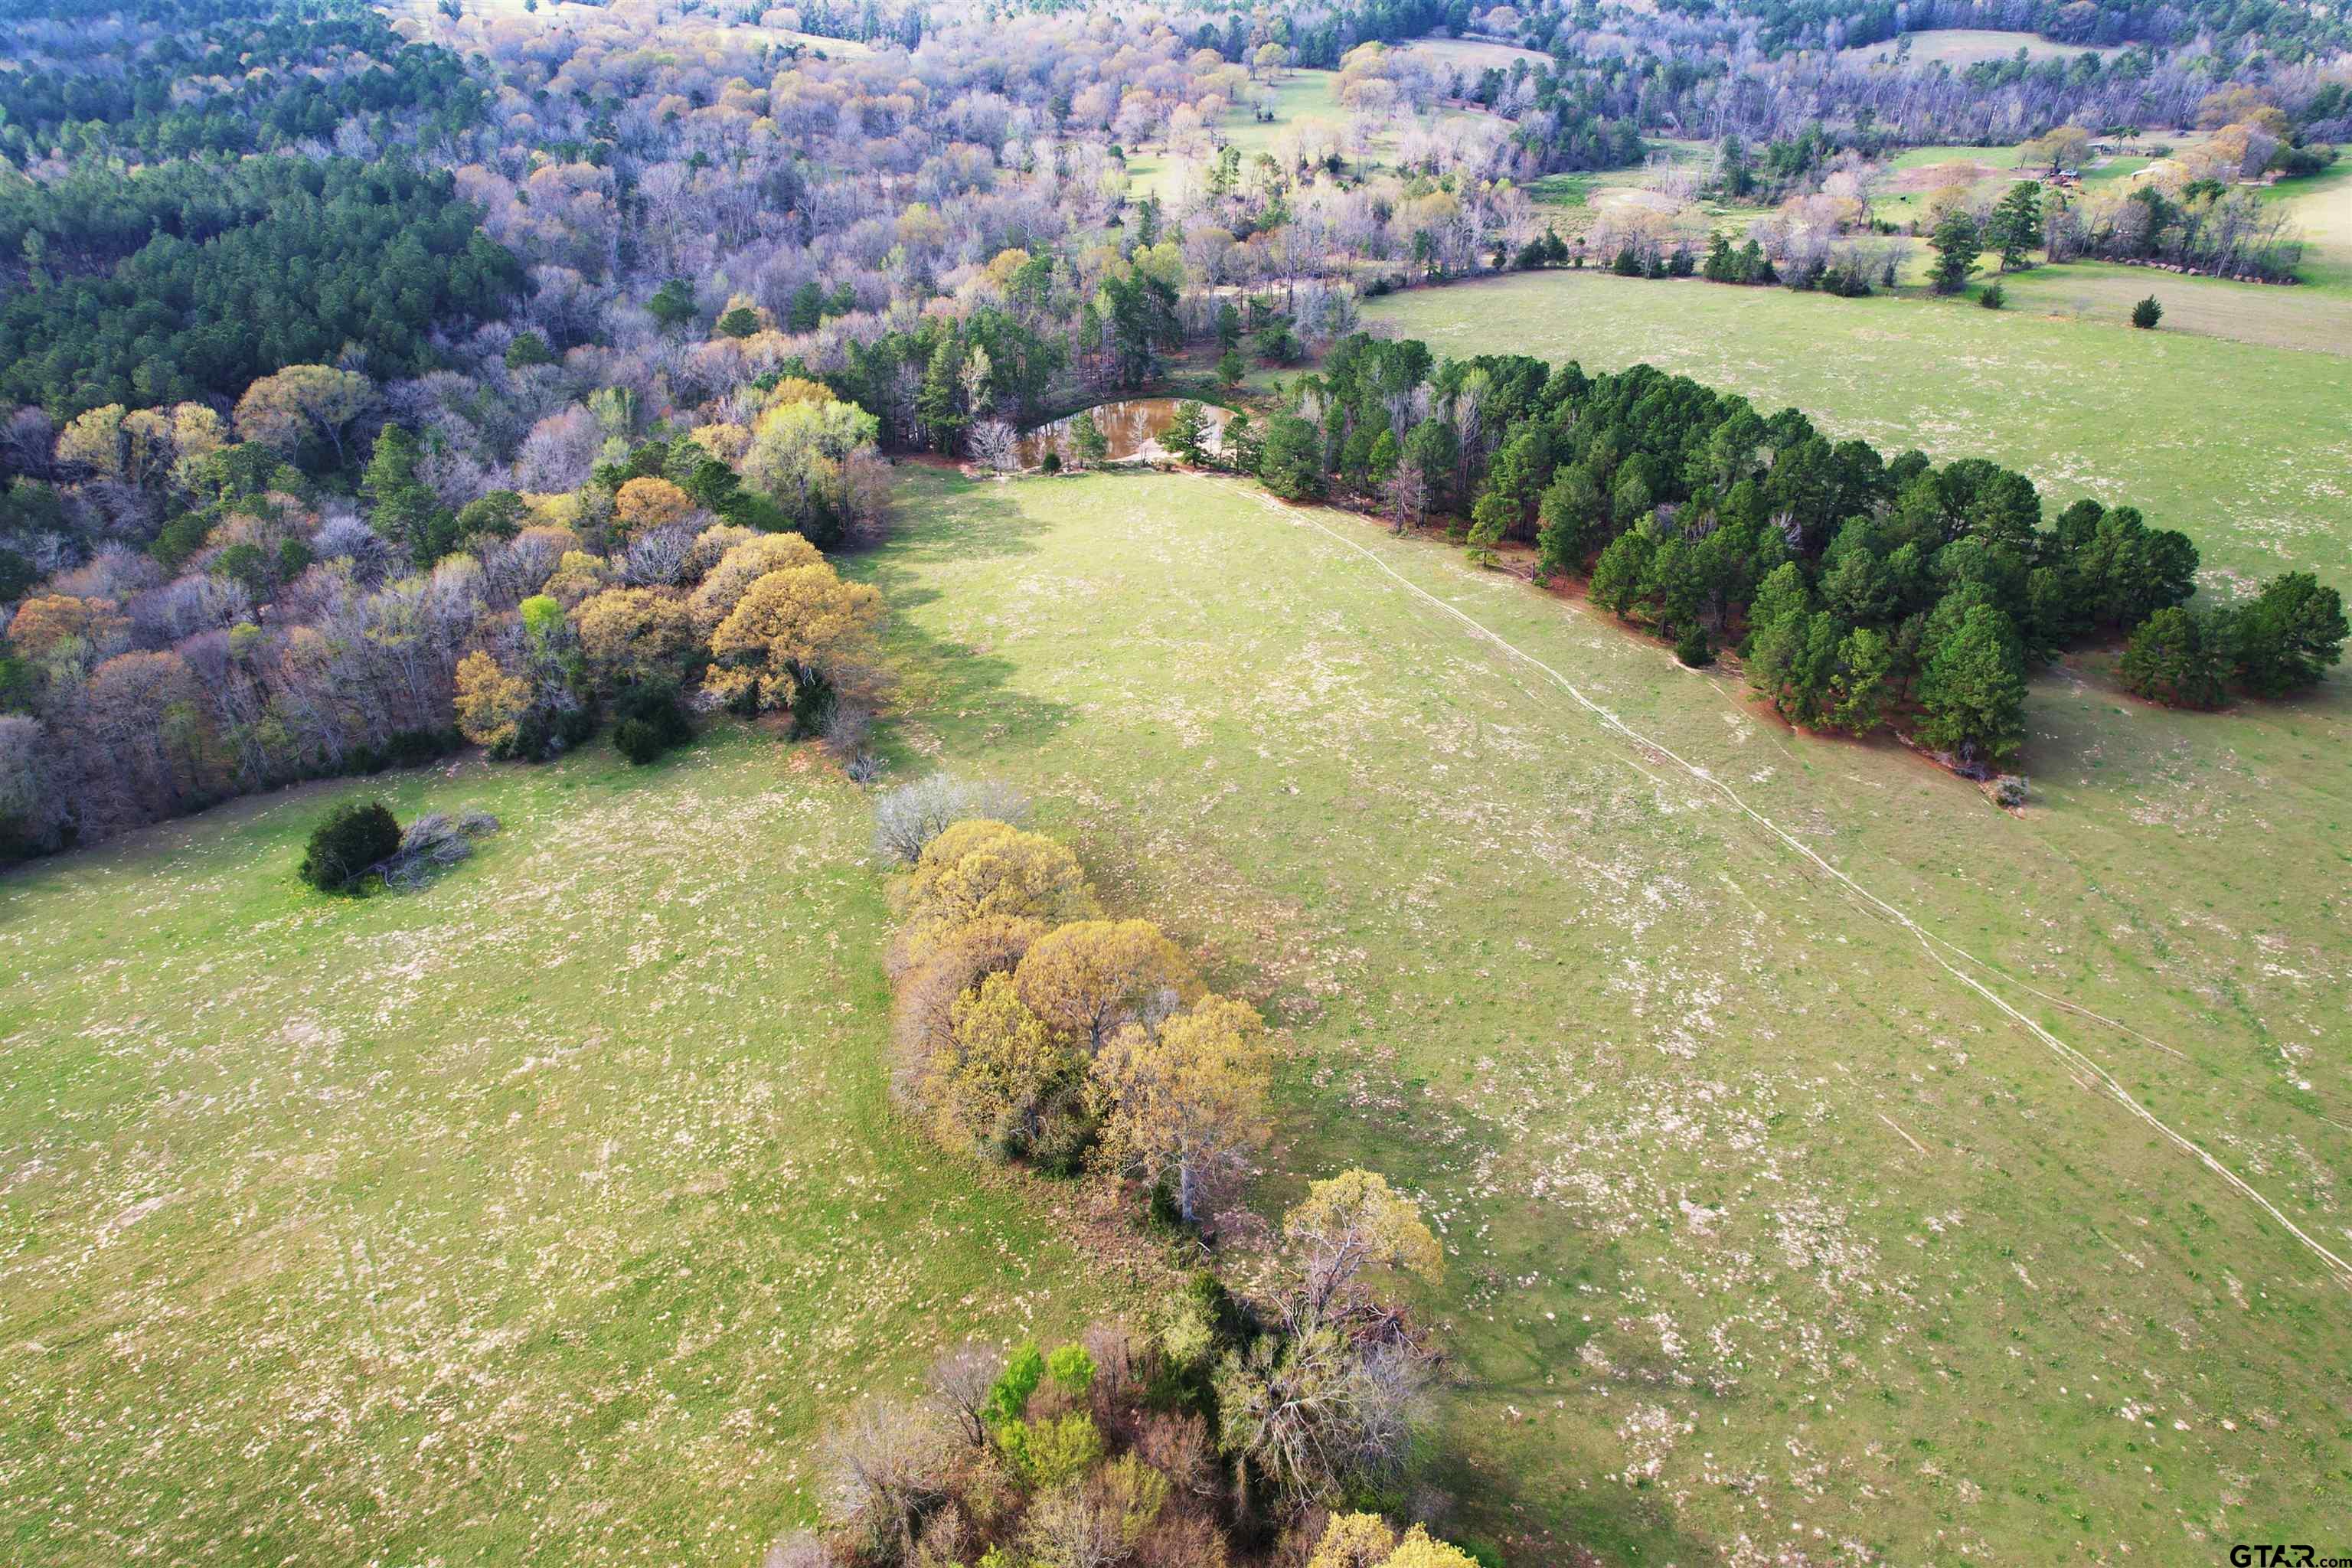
(1132, 426)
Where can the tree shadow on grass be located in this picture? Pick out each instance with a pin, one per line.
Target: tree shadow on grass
(972, 699)
(951, 687)
(944, 516)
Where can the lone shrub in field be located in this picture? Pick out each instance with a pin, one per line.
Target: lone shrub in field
(354, 838)
(2147, 313)
(1992, 297)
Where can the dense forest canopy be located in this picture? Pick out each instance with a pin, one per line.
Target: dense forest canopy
(247, 268)
(173, 80)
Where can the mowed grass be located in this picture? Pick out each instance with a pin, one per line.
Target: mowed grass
(2247, 449)
(1293, 96)
(2277, 316)
(542, 1217)
(1766, 1232)
(2321, 207)
(1960, 47)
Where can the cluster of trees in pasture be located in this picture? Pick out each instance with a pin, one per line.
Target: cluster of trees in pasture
(2194, 207)
(1030, 1026)
(1223, 1427)
(1865, 590)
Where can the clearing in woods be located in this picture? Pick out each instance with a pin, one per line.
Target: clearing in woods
(1295, 97)
(2246, 448)
(1960, 47)
(542, 1217)
(1766, 1229)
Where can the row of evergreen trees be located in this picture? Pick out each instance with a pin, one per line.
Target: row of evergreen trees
(1865, 590)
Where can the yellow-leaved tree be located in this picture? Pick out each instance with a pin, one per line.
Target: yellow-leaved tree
(634, 635)
(578, 573)
(934, 977)
(792, 626)
(991, 1086)
(981, 869)
(302, 400)
(1088, 976)
(1352, 1221)
(800, 447)
(1365, 1540)
(1354, 1541)
(1418, 1549)
(48, 621)
(491, 704)
(743, 563)
(644, 504)
(1184, 1102)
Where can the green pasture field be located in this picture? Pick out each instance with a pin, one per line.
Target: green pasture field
(2279, 316)
(2322, 208)
(1900, 201)
(1295, 95)
(542, 1217)
(2246, 448)
(545, 1215)
(1960, 47)
(1768, 1232)
(1472, 55)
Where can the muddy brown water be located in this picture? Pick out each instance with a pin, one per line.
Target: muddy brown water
(1132, 426)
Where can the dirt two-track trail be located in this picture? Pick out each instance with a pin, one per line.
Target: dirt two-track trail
(1942, 951)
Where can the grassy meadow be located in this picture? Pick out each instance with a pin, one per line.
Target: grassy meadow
(2315, 316)
(1768, 1232)
(1956, 48)
(547, 1214)
(2320, 205)
(2244, 447)
(1470, 55)
(1293, 96)
(1832, 1167)
(542, 1217)
(2302, 318)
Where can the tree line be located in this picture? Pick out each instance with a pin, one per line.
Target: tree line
(272, 631)
(1220, 1427)
(1864, 591)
